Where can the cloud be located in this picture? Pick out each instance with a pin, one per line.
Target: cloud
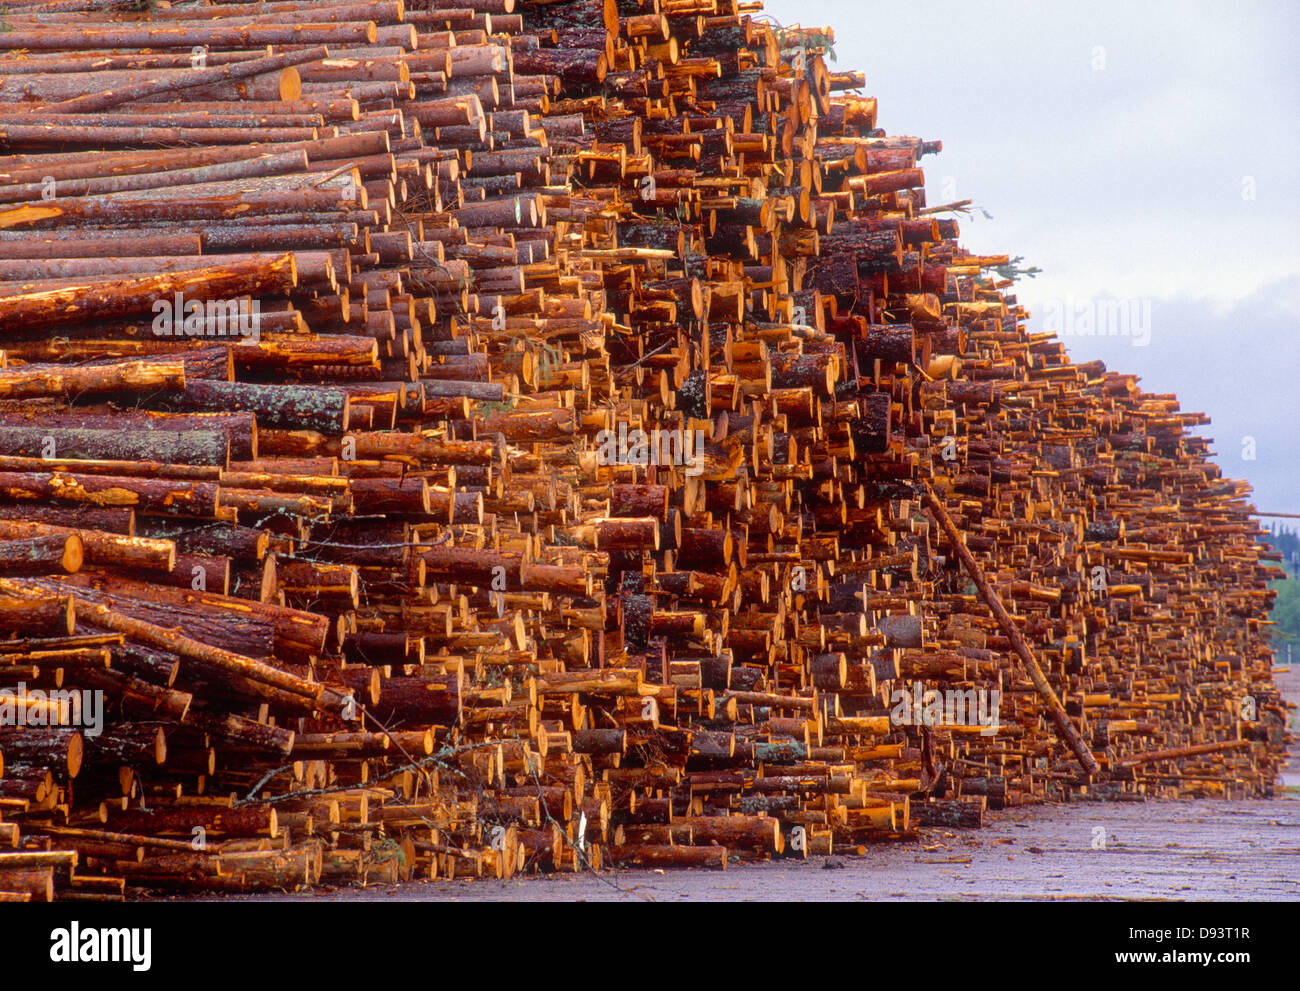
(1124, 181)
(1239, 363)
(1134, 171)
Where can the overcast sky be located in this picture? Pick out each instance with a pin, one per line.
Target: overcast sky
(1137, 150)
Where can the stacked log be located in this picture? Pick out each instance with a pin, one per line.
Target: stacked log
(478, 440)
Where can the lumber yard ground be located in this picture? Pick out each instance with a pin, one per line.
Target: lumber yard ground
(1177, 850)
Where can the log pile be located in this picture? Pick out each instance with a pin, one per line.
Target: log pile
(328, 330)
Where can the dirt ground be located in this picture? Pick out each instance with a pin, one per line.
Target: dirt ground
(1185, 850)
(1166, 850)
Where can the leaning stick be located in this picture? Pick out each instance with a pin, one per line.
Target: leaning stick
(1063, 725)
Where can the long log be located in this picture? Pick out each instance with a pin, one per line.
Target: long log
(1009, 629)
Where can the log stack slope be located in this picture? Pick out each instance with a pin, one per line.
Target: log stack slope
(474, 438)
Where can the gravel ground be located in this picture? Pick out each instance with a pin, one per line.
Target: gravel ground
(1185, 850)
